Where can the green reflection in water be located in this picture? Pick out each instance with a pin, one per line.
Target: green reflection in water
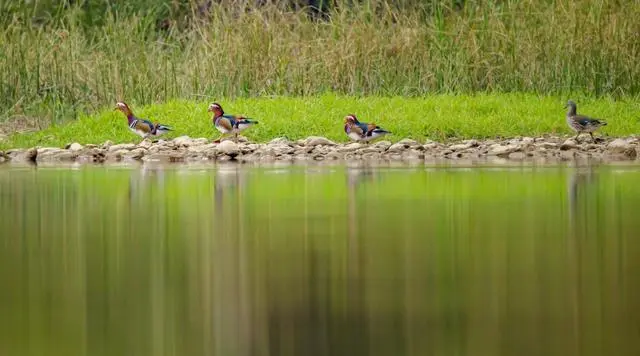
(319, 261)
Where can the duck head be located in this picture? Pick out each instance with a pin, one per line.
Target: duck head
(572, 106)
(350, 119)
(122, 106)
(216, 109)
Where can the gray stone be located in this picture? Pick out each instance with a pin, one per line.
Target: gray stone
(122, 146)
(412, 154)
(407, 142)
(500, 150)
(183, 141)
(336, 155)
(22, 155)
(134, 154)
(397, 148)
(146, 144)
(201, 148)
(350, 147)
(317, 140)
(280, 141)
(280, 149)
(464, 145)
(74, 147)
(52, 154)
(569, 144)
(527, 140)
(384, 145)
(517, 155)
(229, 148)
(622, 147)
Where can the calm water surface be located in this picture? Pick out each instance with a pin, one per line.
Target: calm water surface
(320, 261)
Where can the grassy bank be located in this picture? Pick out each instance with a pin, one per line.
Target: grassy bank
(78, 61)
(436, 117)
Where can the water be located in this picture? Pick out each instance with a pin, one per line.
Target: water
(320, 261)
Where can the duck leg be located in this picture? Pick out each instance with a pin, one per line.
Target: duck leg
(235, 137)
(219, 139)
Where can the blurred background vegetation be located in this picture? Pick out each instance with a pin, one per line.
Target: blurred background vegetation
(59, 58)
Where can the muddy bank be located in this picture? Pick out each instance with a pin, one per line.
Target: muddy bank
(186, 149)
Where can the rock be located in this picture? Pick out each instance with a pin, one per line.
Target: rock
(527, 140)
(569, 144)
(280, 141)
(146, 144)
(282, 149)
(619, 145)
(336, 155)
(74, 146)
(229, 148)
(384, 145)
(185, 141)
(397, 148)
(350, 147)
(240, 139)
(412, 154)
(22, 155)
(622, 147)
(317, 140)
(201, 148)
(93, 155)
(464, 145)
(135, 154)
(51, 154)
(500, 150)
(122, 146)
(517, 155)
(407, 142)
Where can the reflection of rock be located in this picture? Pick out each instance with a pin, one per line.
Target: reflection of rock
(228, 179)
(316, 148)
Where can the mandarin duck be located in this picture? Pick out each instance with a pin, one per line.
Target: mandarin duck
(581, 123)
(141, 127)
(362, 131)
(228, 124)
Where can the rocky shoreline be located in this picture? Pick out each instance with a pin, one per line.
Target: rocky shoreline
(186, 149)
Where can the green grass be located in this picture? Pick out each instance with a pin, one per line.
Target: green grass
(83, 59)
(437, 117)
